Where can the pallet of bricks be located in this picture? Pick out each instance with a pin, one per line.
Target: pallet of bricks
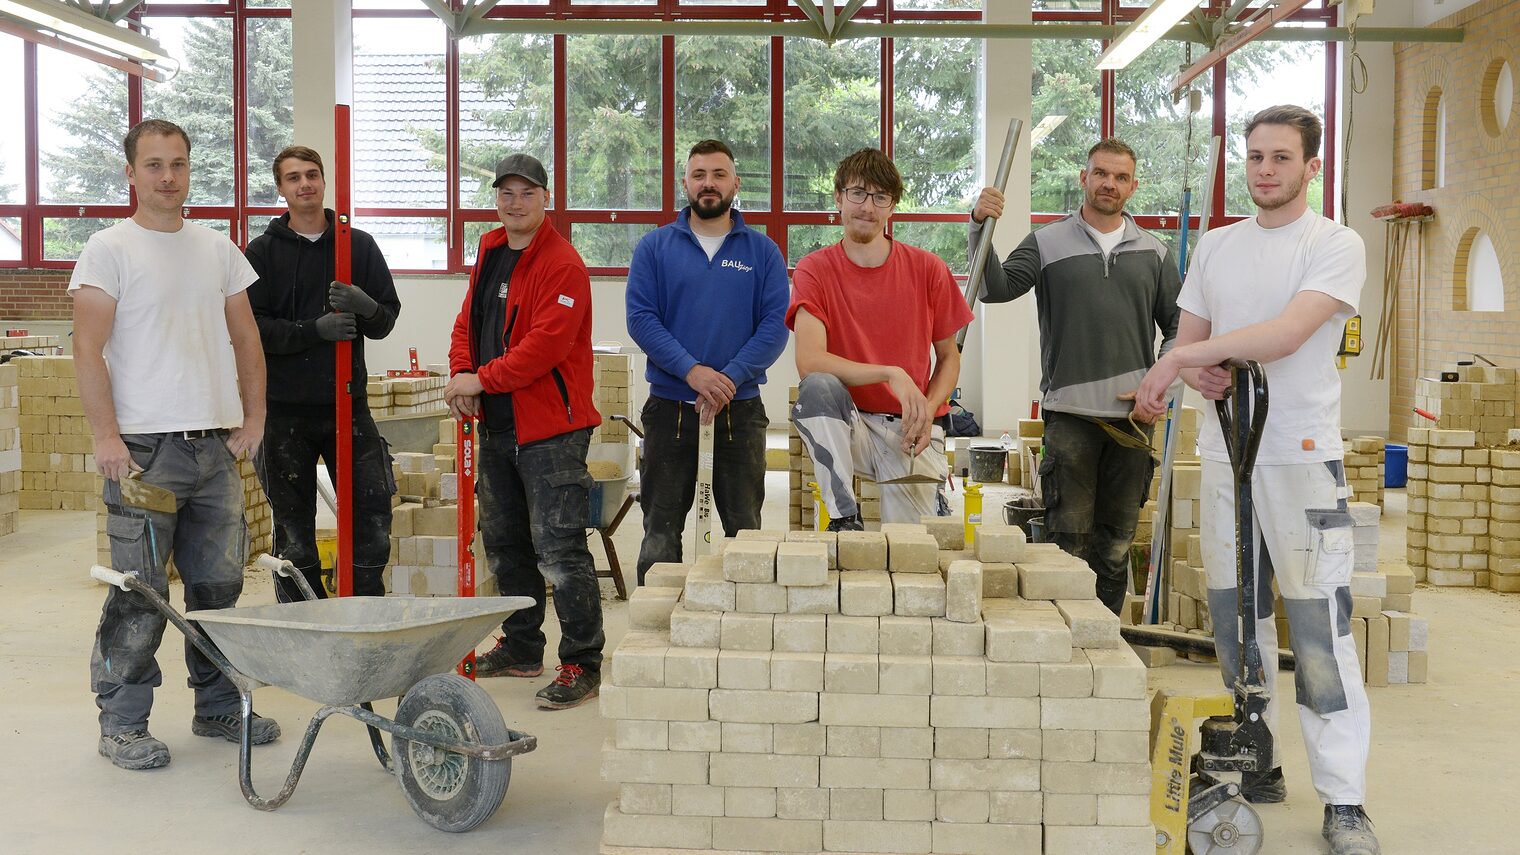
(874, 692)
(57, 446)
(10, 447)
(1464, 510)
(405, 396)
(1185, 455)
(613, 395)
(1364, 463)
(1481, 400)
(38, 345)
(425, 524)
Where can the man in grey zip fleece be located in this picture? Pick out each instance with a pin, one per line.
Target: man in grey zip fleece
(1103, 287)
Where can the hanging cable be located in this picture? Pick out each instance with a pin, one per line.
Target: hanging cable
(1356, 74)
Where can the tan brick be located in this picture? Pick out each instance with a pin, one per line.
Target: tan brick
(1000, 580)
(967, 806)
(750, 561)
(948, 532)
(851, 634)
(1092, 624)
(763, 770)
(876, 837)
(1025, 637)
(959, 639)
(773, 835)
(642, 736)
(1095, 778)
(816, 599)
(1013, 679)
(747, 738)
(862, 550)
(912, 553)
(1094, 714)
(806, 738)
(984, 775)
(1070, 809)
(963, 592)
(874, 710)
(619, 829)
(953, 711)
(954, 838)
(696, 800)
(853, 741)
(865, 592)
(744, 631)
(908, 804)
(760, 598)
(653, 704)
(918, 594)
(866, 772)
(690, 628)
(1073, 679)
(744, 669)
(1071, 840)
(653, 767)
(644, 799)
(802, 803)
(829, 539)
(905, 636)
(1018, 808)
(707, 590)
(797, 672)
(797, 633)
(696, 736)
(1068, 746)
(691, 667)
(1117, 673)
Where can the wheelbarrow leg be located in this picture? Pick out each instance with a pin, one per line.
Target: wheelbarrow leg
(245, 756)
(377, 742)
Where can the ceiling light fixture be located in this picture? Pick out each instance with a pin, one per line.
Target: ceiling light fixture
(71, 24)
(1154, 23)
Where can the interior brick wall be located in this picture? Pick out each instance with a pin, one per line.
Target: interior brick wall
(35, 295)
(1482, 190)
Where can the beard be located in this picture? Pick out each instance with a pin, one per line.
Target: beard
(709, 210)
(1287, 191)
(1106, 205)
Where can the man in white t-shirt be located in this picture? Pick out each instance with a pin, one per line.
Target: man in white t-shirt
(1278, 289)
(171, 377)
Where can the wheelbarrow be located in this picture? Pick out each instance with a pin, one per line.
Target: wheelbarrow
(450, 747)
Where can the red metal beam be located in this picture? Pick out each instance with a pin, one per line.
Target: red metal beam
(1232, 42)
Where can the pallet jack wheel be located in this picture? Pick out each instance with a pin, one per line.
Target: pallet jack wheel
(450, 791)
(1231, 828)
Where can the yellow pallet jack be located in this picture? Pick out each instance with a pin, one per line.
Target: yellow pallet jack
(1196, 802)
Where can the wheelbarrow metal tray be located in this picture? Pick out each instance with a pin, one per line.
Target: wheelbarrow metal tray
(354, 649)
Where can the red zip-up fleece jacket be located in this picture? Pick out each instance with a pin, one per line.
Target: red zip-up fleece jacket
(546, 365)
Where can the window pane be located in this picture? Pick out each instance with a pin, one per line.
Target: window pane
(1261, 75)
(833, 107)
(938, 5)
(398, 113)
(608, 244)
(946, 240)
(937, 118)
(199, 99)
(64, 239)
(723, 92)
(472, 233)
(506, 105)
(614, 132)
(270, 112)
(409, 243)
(1156, 128)
(1064, 112)
(267, 4)
(10, 238)
(12, 145)
(256, 224)
(222, 226)
(82, 120)
(801, 240)
(723, 2)
(1067, 6)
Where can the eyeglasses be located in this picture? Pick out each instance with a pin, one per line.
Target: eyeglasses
(507, 197)
(859, 194)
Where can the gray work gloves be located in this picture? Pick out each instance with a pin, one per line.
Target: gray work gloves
(351, 298)
(338, 326)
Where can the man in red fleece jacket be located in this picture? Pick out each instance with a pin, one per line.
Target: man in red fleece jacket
(520, 360)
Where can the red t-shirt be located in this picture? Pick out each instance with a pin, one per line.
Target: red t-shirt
(887, 315)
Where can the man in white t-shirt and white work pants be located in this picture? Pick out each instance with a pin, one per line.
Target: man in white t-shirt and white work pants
(1278, 289)
(171, 377)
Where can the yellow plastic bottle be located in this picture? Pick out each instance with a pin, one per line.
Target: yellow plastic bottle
(820, 510)
(973, 507)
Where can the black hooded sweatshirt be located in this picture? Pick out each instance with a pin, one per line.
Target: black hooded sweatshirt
(291, 293)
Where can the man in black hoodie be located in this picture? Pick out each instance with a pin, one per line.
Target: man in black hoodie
(301, 311)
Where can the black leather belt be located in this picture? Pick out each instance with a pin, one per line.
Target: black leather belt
(197, 434)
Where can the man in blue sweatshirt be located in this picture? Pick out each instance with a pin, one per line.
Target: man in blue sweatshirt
(707, 299)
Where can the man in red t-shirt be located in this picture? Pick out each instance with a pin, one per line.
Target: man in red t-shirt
(867, 311)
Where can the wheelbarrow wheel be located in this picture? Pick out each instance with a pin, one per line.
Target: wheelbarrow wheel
(451, 792)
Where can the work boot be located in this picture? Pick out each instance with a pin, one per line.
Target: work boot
(134, 749)
(1349, 831)
(230, 728)
(497, 662)
(574, 686)
(1264, 789)
(849, 523)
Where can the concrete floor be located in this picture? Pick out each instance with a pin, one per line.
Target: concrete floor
(1442, 771)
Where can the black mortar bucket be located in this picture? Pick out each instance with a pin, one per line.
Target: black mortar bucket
(1021, 512)
(987, 462)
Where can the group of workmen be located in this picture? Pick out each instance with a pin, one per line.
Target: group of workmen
(180, 381)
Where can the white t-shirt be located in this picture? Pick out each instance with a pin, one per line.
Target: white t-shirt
(1106, 240)
(1244, 274)
(710, 243)
(169, 353)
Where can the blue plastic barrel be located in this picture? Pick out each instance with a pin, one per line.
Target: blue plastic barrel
(1395, 465)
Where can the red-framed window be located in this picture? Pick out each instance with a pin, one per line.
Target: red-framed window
(61, 176)
(612, 117)
(1135, 105)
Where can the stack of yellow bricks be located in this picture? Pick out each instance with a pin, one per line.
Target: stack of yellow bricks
(425, 524)
(877, 692)
(1504, 518)
(1185, 455)
(405, 396)
(42, 345)
(57, 446)
(613, 395)
(1391, 642)
(1364, 469)
(10, 448)
(1449, 499)
(801, 507)
(1481, 401)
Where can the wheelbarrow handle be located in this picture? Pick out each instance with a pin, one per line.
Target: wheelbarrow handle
(110, 577)
(283, 568)
(618, 417)
(1243, 413)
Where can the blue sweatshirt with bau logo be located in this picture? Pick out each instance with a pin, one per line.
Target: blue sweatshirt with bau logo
(727, 312)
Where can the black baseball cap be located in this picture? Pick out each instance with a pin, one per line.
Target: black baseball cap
(523, 166)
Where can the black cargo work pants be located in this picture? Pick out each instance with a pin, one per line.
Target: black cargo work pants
(287, 467)
(668, 473)
(1093, 489)
(535, 507)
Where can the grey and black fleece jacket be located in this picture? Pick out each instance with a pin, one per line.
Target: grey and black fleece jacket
(1098, 316)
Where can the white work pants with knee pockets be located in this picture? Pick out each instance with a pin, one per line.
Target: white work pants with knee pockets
(1303, 540)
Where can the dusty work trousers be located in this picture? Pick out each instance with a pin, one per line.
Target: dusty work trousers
(1093, 489)
(843, 442)
(534, 511)
(1304, 541)
(208, 541)
(668, 472)
(287, 468)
